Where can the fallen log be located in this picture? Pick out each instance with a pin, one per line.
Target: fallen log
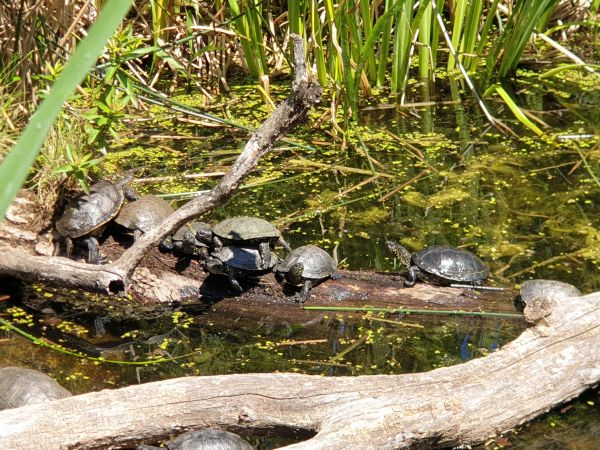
(548, 364)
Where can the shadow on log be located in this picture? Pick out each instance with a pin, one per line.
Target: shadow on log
(551, 362)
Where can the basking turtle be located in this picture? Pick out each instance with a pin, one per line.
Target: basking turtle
(86, 216)
(243, 230)
(144, 214)
(207, 439)
(533, 289)
(236, 261)
(20, 386)
(440, 264)
(306, 266)
(185, 240)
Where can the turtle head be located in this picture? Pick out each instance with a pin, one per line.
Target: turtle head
(204, 235)
(294, 275)
(400, 252)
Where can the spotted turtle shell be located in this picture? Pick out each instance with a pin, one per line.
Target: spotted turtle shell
(243, 228)
(20, 386)
(318, 264)
(450, 264)
(87, 213)
(144, 214)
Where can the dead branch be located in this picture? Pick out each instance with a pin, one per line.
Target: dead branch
(550, 363)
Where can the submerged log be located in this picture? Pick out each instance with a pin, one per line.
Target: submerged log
(550, 363)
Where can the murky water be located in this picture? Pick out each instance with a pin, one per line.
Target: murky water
(422, 175)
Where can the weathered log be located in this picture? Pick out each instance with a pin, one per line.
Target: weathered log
(551, 362)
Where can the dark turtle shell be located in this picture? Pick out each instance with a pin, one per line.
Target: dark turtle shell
(243, 228)
(144, 214)
(207, 439)
(20, 386)
(245, 258)
(450, 264)
(88, 213)
(317, 263)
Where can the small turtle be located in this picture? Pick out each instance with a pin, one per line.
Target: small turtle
(86, 216)
(440, 264)
(207, 439)
(185, 240)
(144, 214)
(236, 261)
(533, 289)
(242, 230)
(20, 386)
(306, 266)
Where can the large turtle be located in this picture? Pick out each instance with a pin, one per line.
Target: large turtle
(86, 216)
(306, 266)
(237, 261)
(440, 264)
(185, 240)
(243, 230)
(20, 386)
(144, 214)
(207, 439)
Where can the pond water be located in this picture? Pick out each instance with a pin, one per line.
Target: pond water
(431, 172)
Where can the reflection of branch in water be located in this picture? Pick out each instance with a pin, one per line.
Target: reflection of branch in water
(545, 263)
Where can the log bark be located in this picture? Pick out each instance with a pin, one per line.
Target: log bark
(551, 362)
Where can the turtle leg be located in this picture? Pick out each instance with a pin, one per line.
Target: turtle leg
(265, 254)
(69, 245)
(235, 284)
(303, 295)
(203, 253)
(281, 241)
(93, 250)
(137, 234)
(412, 276)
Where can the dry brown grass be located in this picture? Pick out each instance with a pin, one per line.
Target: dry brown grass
(33, 34)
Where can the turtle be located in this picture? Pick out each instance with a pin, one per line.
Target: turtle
(207, 439)
(306, 266)
(239, 261)
(440, 264)
(20, 386)
(244, 230)
(144, 214)
(533, 289)
(185, 240)
(86, 215)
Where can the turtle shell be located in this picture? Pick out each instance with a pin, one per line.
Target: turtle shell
(552, 289)
(207, 439)
(317, 263)
(144, 214)
(244, 258)
(450, 264)
(20, 386)
(243, 228)
(87, 213)
(192, 227)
